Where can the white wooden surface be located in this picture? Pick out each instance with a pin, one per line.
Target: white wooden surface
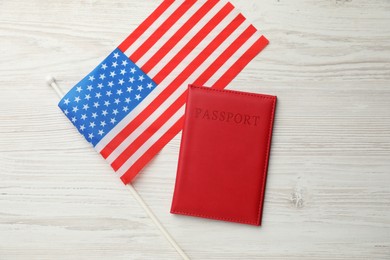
(327, 196)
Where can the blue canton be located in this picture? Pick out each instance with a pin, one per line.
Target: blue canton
(105, 96)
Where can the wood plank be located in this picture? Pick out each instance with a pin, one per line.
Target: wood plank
(327, 193)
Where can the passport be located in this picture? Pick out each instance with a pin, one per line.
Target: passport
(224, 154)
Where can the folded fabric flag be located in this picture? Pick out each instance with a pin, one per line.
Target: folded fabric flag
(132, 104)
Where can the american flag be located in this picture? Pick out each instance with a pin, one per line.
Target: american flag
(132, 104)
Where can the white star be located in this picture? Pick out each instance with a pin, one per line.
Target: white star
(133, 70)
(94, 115)
(104, 112)
(127, 100)
(91, 78)
(102, 76)
(108, 93)
(125, 109)
(112, 73)
(129, 89)
(75, 109)
(119, 92)
(107, 103)
(84, 116)
(131, 80)
(66, 111)
(100, 85)
(66, 101)
(74, 119)
(117, 101)
(149, 86)
(110, 84)
(85, 107)
(121, 81)
(138, 97)
(103, 123)
(90, 87)
(114, 64)
(123, 72)
(101, 132)
(82, 127)
(116, 55)
(124, 62)
(141, 78)
(90, 136)
(104, 66)
(78, 89)
(87, 97)
(77, 99)
(115, 111)
(98, 95)
(92, 124)
(96, 104)
(140, 88)
(112, 121)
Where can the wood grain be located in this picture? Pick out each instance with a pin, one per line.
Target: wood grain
(327, 194)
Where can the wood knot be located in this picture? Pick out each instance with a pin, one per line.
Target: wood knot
(297, 198)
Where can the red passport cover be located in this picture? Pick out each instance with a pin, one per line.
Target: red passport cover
(224, 155)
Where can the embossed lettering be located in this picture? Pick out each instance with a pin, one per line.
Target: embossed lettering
(227, 116)
(256, 118)
(206, 115)
(215, 115)
(222, 116)
(237, 118)
(198, 111)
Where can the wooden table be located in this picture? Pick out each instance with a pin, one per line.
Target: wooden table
(328, 188)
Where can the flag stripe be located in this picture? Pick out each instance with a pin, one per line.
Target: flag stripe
(145, 25)
(178, 102)
(124, 128)
(148, 60)
(235, 67)
(165, 26)
(240, 64)
(159, 76)
(190, 73)
(227, 53)
(152, 27)
(140, 152)
(152, 151)
(150, 131)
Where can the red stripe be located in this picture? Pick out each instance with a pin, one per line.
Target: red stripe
(178, 103)
(225, 55)
(128, 176)
(240, 64)
(145, 25)
(196, 17)
(152, 129)
(126, 131)
(152, 151)
(190, 46)
(157, 34)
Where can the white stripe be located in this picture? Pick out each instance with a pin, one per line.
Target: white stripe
(164, 16)
(138, 109)
(176, 94)
(168, 34)
(180, 112)
(189, 35)
(256, 36)
(152, 139)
